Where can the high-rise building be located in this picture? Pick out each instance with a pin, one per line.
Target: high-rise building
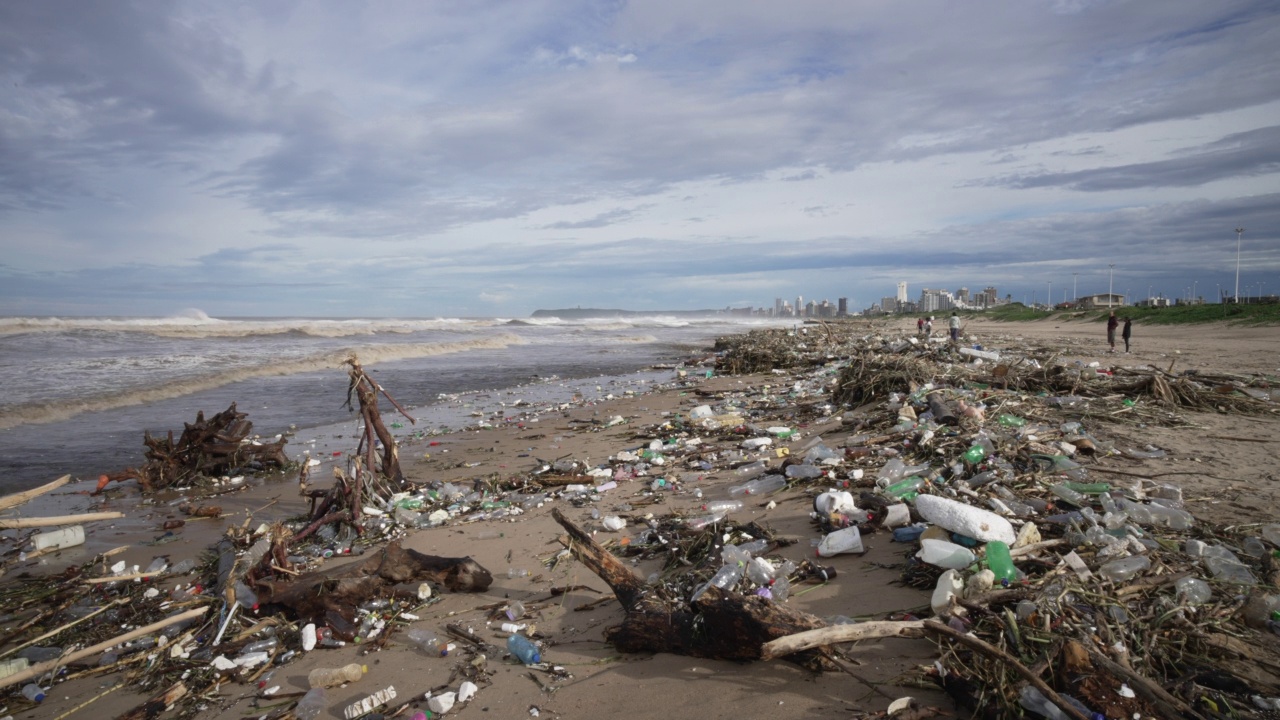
(843, 307)
(889, 304)
(777, 307)
(990, 297)
(902, 292)
(799, 306)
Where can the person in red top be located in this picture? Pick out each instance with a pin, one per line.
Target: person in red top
(1112, 324)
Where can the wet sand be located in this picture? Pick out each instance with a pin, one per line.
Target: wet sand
(1224, 462)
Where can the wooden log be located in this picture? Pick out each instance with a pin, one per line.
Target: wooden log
(41, 668)
(17, 499)
(55, 520)
(343, 589)
(841, 634)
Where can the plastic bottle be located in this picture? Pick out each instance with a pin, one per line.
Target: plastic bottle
(311, 704)
(1012, 421)
(1125, 568)
(328, 677)
(33, 692)
(524, 650)
(58, 539)
(759, 486)
(746, 472)
(725, 578)
(517, 572)
(847, 540)
(804, 472)
(182, 567)
(950, 586)
(260, 646)
(1070, 496)
(910, 533)
(36, 654)
(945, 554)
(1035, 701)
(426, 641)
(975, 454)
(701, 523)
(902, 488)
(723, 506)
(1000, 562)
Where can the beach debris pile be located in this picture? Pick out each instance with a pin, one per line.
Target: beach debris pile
(1064, 576)
(219, 446)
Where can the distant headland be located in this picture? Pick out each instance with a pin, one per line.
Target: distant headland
(579, 313)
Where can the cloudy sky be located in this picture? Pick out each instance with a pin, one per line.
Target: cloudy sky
(427, 158)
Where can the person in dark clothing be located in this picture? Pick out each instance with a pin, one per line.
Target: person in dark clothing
(1112, 323)
(1127, 332)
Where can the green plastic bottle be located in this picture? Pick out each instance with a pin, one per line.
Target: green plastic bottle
(975, 454)
(1000, 562)
(1089, 488)
(901, 488)
(1011, 421)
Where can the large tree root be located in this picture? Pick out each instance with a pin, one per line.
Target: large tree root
(719, 625)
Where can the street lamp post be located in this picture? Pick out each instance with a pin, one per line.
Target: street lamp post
(1110, 282)
(1239, 233)
(1050, 294)
(1074, 296)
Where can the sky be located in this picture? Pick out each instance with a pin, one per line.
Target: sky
(487, 158)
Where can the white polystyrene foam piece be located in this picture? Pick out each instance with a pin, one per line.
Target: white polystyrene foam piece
(979, 524)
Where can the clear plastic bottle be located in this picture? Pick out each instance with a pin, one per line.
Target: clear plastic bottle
(425, 640)
(1125, 568)
(524, 649)
(311, 704)
(328, 677)
(33, 692)
(725, 578)
(759, 486)
(750, 470)
(723, 506)
(1071, 496)
(1035, 701)
(12, 666)
(804, 472)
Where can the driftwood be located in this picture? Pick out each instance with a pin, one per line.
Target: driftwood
(17, 499)
(366, 391)
(337, 592)
(720, 625)
(206, 448)
(56, 520)
(41, 668)
(836, 634)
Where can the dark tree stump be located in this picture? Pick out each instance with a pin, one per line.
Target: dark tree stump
(719, 625)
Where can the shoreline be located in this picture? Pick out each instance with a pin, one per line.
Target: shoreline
(602, 680)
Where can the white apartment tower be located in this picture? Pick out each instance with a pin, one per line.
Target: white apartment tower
(902, 292)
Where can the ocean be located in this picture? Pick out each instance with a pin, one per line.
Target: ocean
(81, 392)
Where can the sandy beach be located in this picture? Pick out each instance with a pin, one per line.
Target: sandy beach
(1224, 462)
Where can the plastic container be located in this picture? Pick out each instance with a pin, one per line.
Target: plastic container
(12, 666)
(804, 472)
(950, 586)
(613, 523)
(896, 515)
(846, 540)
(1000, 562)
(36, 654)
(908, 534)
(1035, 701)
(945, 554)
(746, 472)
(33, 692)
(58, 539)
(329, 677)
(760, 486)
(725, 578)
(1071, 496)
(524, 650)
(311, 704)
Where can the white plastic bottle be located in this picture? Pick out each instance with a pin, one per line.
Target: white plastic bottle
(58, 539)
(846, 540)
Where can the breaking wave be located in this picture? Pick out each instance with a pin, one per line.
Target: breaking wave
(194, 324)
(65, 409)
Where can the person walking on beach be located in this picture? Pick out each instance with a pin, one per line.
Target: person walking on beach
(1128, 331)
(928, 327)
(1112, 322)
(954, 327)
(920, 325)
